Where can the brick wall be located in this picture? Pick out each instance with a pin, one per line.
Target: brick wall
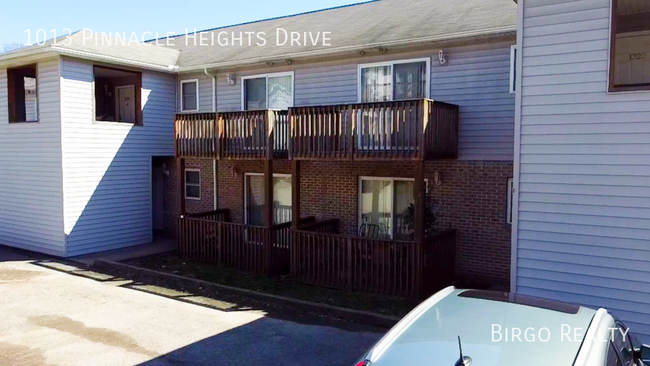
(471, 199)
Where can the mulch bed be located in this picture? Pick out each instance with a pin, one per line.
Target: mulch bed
(282, 286)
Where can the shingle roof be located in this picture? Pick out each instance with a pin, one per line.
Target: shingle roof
(84, 45)
(381, 23)
(378, 23)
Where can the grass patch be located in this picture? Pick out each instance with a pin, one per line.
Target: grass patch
(282, 286)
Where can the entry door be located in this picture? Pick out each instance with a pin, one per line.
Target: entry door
(158, 197)
(125, 103)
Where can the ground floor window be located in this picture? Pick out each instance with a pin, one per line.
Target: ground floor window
(254, 198)
(193, 184)
(509, 200)
(384, 207)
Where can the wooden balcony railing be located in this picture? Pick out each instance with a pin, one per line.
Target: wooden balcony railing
(197, 135)
(411, 129)
(233, 135)
(388, 267)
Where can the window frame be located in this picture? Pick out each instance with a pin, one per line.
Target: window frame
(393, 180)
(9, 98)
(392, 63)
(246, 175)
(611, 86)
(513, 69)
(196, 170)
(510, 195)
(139, 115)
(267, 76)
(187, 81)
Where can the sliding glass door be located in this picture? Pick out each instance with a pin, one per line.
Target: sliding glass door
(254, 193)
(386, 208)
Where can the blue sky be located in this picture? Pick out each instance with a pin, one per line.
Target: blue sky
(141, 16)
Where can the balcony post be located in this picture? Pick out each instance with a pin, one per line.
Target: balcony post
(419, 193)
(180, 167)
(295, 194)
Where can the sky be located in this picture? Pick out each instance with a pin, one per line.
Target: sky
(139, 16)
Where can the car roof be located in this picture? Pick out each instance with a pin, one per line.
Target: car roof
(432, 338)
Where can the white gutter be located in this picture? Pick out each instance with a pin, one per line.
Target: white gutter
(214, 161)
(96, 57)
(87, 56)
(333, 51)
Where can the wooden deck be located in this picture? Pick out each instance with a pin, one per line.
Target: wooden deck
(316, 254)
(418, 129)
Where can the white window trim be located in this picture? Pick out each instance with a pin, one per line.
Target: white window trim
(192, 184)
(267, 76)
(246, 175)
(513, 59)
(393, 180)
(360, 67)
(510, 194)
(197, 95)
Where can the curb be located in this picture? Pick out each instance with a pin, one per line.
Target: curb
(210, 289)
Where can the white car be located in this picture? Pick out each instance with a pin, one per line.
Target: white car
(486, 328)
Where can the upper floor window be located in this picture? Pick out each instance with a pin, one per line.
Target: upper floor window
(190, 95)
(395, 80)
(271, 91)
(629, 64)
(117, 95)
(513, 69)
(23, 94)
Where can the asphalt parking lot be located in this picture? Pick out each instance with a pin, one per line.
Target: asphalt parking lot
(49, 317)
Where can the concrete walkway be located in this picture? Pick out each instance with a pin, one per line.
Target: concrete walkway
(53, 318)
(159, 245)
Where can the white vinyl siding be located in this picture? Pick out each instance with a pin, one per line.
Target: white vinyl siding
(31, 203)
(107, 166)
(584, 171)
(476, 77)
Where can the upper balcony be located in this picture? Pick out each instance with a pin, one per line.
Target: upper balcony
(410, 129)
(247, 135)
(419, 129)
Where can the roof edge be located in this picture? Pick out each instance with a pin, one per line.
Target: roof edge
(52, 49)
(501, 31)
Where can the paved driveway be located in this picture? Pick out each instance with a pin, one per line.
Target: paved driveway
(48, 317)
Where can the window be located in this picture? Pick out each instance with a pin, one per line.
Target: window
(513, 69)
(397, 80)
(272, 91)
(629, 58)
(386, 208)
(117, 95)
(190, 95)
(510, 195)
(193, 184)
(23, 94)
(254, 198)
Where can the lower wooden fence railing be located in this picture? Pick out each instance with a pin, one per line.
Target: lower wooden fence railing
(216, 215)
(249, 248)
(394, 268)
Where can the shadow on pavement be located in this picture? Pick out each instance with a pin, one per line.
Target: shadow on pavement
(272, 342)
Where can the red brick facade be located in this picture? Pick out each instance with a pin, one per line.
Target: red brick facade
(471, 198)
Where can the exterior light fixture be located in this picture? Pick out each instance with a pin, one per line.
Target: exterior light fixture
(232, 80)
(441, 57)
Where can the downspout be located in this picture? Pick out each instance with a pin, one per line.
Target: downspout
(214, 161)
